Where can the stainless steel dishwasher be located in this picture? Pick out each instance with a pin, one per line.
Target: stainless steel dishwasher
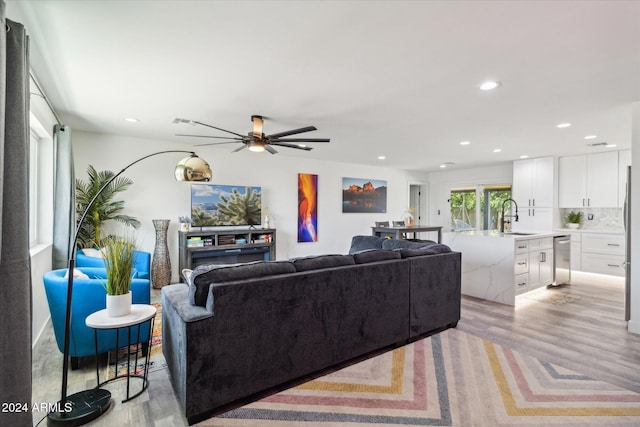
(562, 260)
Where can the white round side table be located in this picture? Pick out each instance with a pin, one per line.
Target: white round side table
(140, 313)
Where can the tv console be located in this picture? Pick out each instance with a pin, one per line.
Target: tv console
(222, 246)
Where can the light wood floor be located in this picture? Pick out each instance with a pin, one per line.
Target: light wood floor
(587, 335)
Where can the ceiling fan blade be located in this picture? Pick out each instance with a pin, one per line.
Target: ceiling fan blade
(301, 140)
(270, 149)
(217, 128)
(282, 144)
(216, 143)
(291, 132)
(240, 148)
(208, 136)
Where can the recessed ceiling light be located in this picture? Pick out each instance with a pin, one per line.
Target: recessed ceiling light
(443, 166)
(497, 150)
(524, 156)
(591, 137)
(563, 125)
(465, 142)
(302, 145)
(382, 157)
(131, 120)
(446, 164)
(611, 145)
(489, 85)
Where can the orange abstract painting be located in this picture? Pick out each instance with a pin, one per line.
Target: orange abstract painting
(307, 207)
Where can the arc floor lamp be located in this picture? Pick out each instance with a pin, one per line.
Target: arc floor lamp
(84, 406)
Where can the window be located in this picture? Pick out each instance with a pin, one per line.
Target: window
(478, 208)
(33, 189)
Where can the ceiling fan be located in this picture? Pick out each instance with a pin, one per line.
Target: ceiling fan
(256, 140)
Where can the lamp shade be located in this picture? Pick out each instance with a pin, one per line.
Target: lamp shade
(193, 168)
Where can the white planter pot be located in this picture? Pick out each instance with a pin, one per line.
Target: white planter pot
(572, 225)
(119, 305)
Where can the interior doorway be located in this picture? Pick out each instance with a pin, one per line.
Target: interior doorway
(418, 201)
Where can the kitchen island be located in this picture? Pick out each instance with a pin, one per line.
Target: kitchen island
(498, 266)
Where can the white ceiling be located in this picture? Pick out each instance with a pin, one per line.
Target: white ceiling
(393, 78)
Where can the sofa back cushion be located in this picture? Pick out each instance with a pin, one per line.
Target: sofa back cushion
(375, 255)
(392, 244)
(436, 248)
(321, 261)
(365, 243)
(204, 275)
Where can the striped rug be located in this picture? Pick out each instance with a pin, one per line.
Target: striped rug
(450, 379)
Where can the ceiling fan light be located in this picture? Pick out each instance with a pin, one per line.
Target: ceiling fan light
(256, 146)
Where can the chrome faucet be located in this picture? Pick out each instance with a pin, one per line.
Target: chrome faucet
(515, 216)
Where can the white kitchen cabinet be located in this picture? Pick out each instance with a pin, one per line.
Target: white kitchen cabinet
(533, 219)
(576, 251)
(586, 180)
(603, 253)
(540, 262)
(533, 182)
(624, 160)
(532, 190)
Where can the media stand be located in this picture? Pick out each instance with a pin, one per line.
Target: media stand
(228, 246)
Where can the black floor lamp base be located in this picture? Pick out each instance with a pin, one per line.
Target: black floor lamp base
(80, 408)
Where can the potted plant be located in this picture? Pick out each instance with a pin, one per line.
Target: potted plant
(118, 262)
(104, 209)
(573, 219)
(185, 223)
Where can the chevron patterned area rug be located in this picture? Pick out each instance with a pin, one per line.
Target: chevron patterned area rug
(450, 379)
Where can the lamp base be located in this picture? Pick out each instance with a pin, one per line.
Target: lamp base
(80, 408)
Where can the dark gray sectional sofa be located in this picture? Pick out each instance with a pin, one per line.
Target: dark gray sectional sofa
(237, 333)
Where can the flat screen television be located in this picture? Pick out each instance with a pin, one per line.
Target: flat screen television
(225, 205)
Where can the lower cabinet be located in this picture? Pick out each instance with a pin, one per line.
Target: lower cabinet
(603, 253)
(533, 266)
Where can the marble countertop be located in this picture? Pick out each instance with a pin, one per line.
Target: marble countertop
(511, 236)
(587, 230)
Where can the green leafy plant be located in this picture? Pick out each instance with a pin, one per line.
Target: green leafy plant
(118, 262)
(104, 209)
(573, 217)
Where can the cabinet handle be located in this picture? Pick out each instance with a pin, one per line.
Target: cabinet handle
(582, 202)
(529, 202)
(613, 244)
(232, 250)
(588, 202)
(522, 247)
(613, 265)
(522, 263)
(533, 211)
(522, 284)
(534, 202)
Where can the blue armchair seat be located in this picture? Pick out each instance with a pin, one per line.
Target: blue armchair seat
(141, 262)
(89, 296)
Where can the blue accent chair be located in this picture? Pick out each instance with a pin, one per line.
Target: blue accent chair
(89, 296)
(141, 262)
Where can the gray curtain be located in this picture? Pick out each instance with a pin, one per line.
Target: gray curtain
(15, 274)
(64, 198)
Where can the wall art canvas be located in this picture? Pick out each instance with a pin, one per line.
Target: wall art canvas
(361, 195)
(225, 205)
(307, 207)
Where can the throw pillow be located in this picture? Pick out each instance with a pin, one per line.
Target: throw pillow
(93, 253)
(375, 255)
(363, 243)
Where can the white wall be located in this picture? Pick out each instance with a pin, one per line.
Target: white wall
(441, 183)
(156, 195)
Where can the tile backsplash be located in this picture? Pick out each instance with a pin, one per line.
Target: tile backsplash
(609, 219)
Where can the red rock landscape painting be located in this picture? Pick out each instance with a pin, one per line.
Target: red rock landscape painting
(364, 195)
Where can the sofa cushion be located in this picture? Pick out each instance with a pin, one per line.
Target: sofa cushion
(391, 244)
(364, 243)
(203, 275)
(375, 255)
(316, 262)
(436, 248)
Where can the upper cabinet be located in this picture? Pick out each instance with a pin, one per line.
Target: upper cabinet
(533, 182)
(589, 180)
